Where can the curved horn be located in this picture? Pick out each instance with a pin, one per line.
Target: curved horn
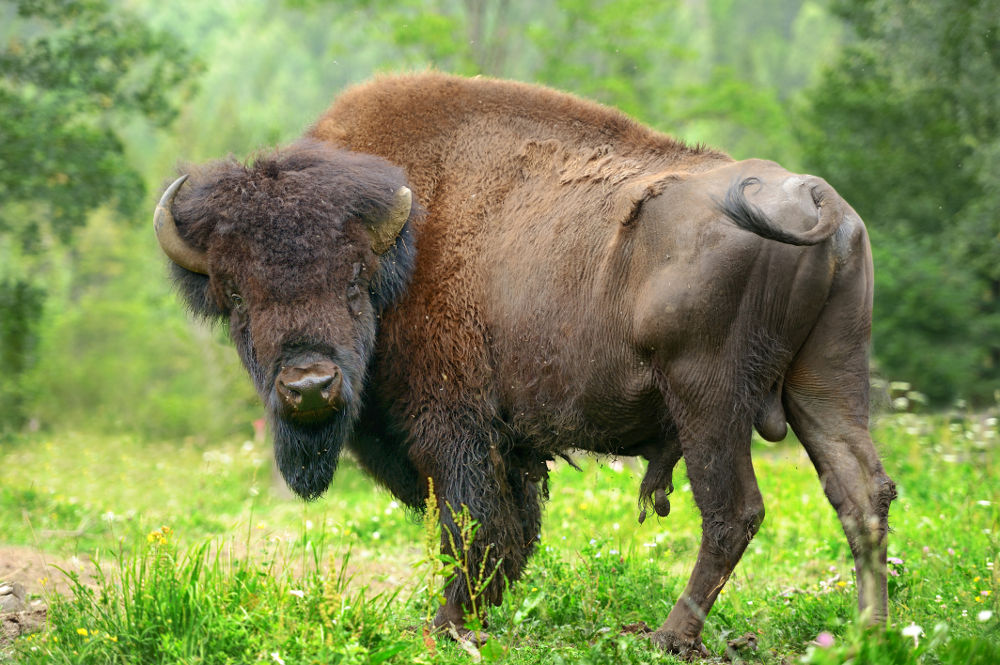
(385, 230)
(170, 239)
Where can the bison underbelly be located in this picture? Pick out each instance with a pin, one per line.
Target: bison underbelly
(608, 419)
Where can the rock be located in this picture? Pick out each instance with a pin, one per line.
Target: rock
(745, 641)
(12, 597)
(11, 604)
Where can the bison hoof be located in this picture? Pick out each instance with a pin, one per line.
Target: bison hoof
(688, 649)
(476, 638)
(450, 621)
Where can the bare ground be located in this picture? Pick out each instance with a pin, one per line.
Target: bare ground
(38, 573)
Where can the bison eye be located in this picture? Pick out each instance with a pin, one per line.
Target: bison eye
(237, 300)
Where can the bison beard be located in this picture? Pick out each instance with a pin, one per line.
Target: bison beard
(307, 454)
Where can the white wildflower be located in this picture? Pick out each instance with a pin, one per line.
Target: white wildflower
(914, 631)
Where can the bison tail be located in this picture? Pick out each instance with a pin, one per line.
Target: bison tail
(750, 217)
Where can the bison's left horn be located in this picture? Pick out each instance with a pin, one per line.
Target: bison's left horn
(170, 239)
(385, 230)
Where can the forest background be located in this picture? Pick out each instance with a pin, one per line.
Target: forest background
(895, 103)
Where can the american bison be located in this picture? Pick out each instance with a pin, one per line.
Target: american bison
(566, 278)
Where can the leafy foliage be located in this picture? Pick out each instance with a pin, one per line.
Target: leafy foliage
(906, 127)
(71, 73)
(20, 306)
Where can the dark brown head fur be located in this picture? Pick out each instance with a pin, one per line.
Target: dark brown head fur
(292, 272)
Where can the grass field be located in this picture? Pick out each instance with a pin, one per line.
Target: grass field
(181, 553)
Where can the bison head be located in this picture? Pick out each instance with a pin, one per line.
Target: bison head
(299, 252)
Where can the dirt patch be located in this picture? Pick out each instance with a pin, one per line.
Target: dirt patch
(41, 573)
(37, 574)
(14, 624)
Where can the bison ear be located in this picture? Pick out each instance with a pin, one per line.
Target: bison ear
(195, 292)
(385, 230)
(633, 193)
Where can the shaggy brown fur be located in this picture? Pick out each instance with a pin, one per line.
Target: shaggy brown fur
(581, 282)
(585, 282)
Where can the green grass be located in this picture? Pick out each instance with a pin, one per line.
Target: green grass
(242, 574)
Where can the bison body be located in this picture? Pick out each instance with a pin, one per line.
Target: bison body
(583, 282)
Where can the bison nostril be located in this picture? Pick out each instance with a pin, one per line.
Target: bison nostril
(308, 392)
(309, 389)
(310, 384)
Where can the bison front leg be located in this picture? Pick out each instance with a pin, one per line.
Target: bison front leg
(489, 518)
(725, 489)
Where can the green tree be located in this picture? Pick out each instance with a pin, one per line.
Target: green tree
(71, 73)
(906, 126)
(460, 36)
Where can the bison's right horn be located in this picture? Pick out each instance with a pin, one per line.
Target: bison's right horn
(170, 239)
(385, 230)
